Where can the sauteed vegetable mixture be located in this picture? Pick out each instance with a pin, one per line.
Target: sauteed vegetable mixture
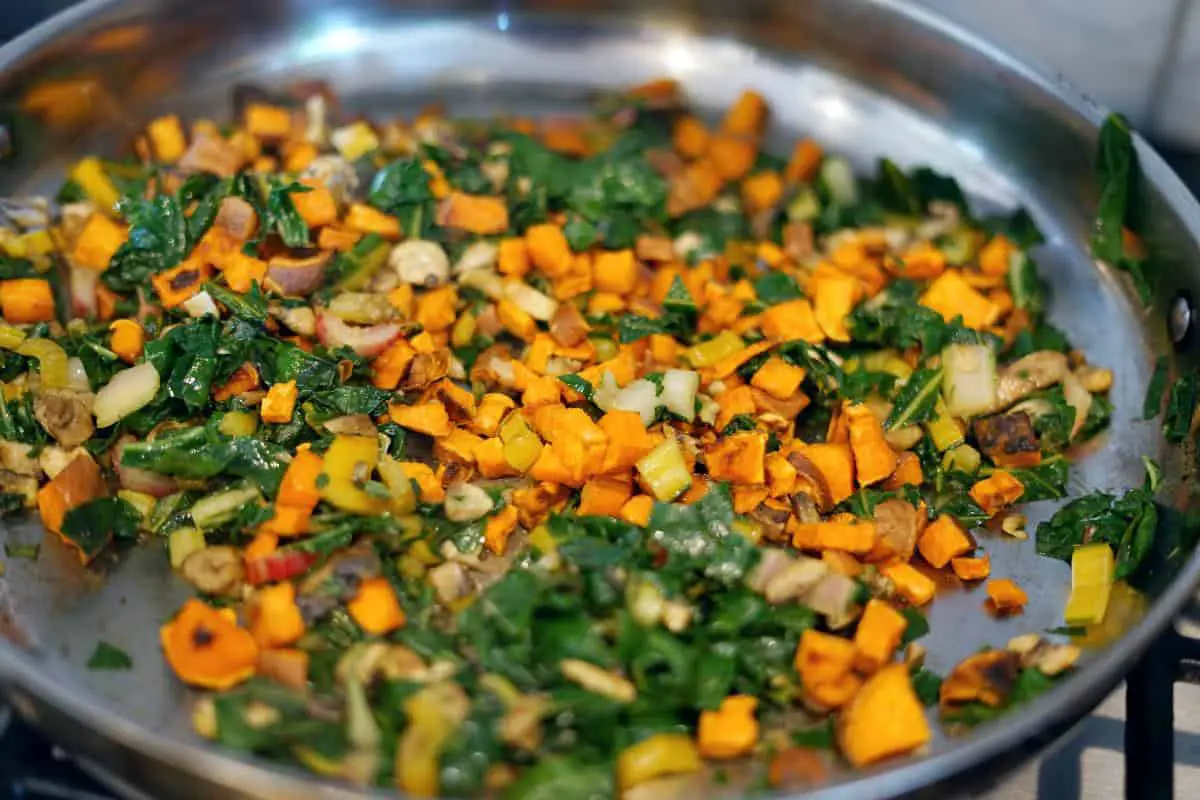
(557, 458)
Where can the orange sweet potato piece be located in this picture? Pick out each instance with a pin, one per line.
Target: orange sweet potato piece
(942, 541)
(878, 635)
(731, 731)
(851, 537)
(273, 616)
(761, 191)
(375, 607)
(805, 161)
(835, 693)
(834, 297)
(604, 497)
(874, 459)
(177, 285)
(885, 718)
(473, 213)
(794, 319)
(997, 491)
(738, 458)
(690, 137)
(1006, 597)
(835, 462)
(548, 249)
(316, 207)
(731, 156)
(778, 378)
(26, 300)
(951, 296)
(98, 242)
(823, 657)
(908, 472)
(747, 116)
(428, 418)
(971, 569)
(911, 584)
(206, 648)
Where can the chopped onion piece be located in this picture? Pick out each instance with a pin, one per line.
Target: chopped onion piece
(605, 394)
(531, 301)
(640, 396)
(679, 392)
(1079, 399)
(201, 305)
(77, 377)
(129, 390)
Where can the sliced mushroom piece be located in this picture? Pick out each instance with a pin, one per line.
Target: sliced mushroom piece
(1029, 374)
(426, 368)
(598, 680)
(24, 485)
(209, 153)
(466, 502)
(796, 580)
(521, 725)
(987, 677)
(336, 173)
(897, 524)
(568, 327)
(351, 425)
(1049, 658)
(772, 521)
(450, 582)
(66, 415)
(215, 570)
(237, 217)
(810, 480)
(420, 262)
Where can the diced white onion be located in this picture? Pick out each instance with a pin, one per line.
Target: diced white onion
(129, 390)
(640, 396)
(679, 392)
(201, 304)
(605, 393)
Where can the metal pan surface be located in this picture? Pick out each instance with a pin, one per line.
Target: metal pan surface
(866, 77)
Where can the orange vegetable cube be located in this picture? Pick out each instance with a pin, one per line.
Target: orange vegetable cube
(127, 340)
(971, 569)
(26, 300)
(761, 191)
(874, 458)
(908, 472)
(690, 137)
(792, 320)
(513, 258)
(429, 482)
(1006, 597)
(179, 284)
(778, 378)
(747, 115)
(274, 617)
(548, 249)
(604, 497)
(997, 491)
(279, 403)
(375, 607)
(911, 584)
(166, 134)
(943, 540)
(738, 458)
(878, 635)
(804, 163)
(951, 296)
(98, 242)
(316, 207)
(267, 121)
(835, 462)
(365, 219)
(390, 367)
(335, 237)
(473, 213)
(515, 319)
(299, 485)
(731, 156)
(498, 528)
(834, 297)
(615, 271)
(823, 657)
(995, 256)
(851, 537)
(731, 731)
(636, 510)
(884, 718)
(429, 418)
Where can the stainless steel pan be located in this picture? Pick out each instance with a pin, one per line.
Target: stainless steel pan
(867, 77)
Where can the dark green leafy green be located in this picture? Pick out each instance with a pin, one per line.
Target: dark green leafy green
(776, 287)
(109, 657)
(92, 525)
(1127, 524)
(1181, 407)
(1152, 405)
(158, 240)
(1046, 481)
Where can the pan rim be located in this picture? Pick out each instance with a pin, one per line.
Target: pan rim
(1064, 705)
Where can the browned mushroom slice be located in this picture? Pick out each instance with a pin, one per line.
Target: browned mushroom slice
(426, 368)
(987, 677)
(810, 480)
(567, 326)
(237, 217)
(215, 570)
(1026, 375)
(213, 154)
(897, 524)
(66, 415)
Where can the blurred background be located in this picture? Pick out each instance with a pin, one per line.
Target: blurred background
(1139, 57)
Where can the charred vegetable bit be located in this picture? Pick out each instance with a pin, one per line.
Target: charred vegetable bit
(555, 458)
